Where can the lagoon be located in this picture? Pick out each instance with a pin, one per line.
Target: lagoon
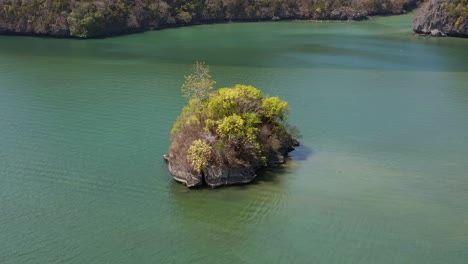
(381, 176)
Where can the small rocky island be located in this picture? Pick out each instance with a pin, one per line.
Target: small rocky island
(224, 136)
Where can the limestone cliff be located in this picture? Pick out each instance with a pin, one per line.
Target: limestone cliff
(442, 18)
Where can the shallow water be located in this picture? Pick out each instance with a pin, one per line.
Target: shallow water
(382, 176)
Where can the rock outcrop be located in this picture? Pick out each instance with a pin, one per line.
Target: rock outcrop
(215, 176)
(188, 177)
(442, 18)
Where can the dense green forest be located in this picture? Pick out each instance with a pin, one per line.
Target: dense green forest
(92, 18)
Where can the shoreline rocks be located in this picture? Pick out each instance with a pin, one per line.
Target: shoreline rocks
(188, 178)
(214, 176)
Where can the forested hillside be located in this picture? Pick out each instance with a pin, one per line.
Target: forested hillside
(93, 18)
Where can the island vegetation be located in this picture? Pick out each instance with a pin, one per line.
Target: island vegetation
(99, 18)
(223, 136)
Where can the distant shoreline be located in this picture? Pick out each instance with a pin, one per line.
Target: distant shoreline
(180, 25)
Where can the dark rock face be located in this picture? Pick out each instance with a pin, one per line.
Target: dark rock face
(338, 15)
(189, 178)
(441, 18)
(214, 176)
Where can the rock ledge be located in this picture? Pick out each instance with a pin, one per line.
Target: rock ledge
(215, 176)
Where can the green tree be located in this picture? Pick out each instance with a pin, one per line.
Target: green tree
(274, 107)
(198, 84)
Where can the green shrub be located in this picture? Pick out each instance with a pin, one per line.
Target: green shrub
(199, 154)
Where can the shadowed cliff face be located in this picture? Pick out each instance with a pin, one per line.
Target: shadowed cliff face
(442, 18)
(92, 18)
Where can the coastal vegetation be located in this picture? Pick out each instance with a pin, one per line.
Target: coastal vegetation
(222, 136)
(93, 18)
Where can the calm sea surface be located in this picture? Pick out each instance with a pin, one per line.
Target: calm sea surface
(382, 176)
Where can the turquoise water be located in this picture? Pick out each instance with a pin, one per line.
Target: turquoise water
(381, 177)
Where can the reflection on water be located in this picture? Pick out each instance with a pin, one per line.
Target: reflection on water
(301, 153)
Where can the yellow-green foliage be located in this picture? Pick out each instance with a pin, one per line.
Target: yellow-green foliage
(458, 9)
(235, 126)
(188, 117)
(227, 101)
(199, 154)
(231, 126)
(274, 107)
(239, 124)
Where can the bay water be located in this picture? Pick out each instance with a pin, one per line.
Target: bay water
(381, 176)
